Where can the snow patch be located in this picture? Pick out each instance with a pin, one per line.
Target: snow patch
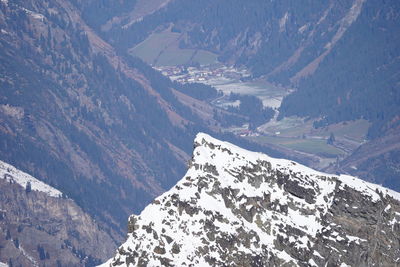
(355, 239)
(33, 14)
(312, 263)
(317, 254)
(303, 28)
(282, 22)
(29, 257)
(387, 208)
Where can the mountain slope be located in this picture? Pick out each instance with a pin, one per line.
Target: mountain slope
(85, 119)
(285, 40)
(241, 208)
(40, 226)
(339, 55)
(362, 66)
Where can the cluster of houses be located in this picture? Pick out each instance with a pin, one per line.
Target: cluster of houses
(184, 74)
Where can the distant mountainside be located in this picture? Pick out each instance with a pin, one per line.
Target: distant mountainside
(359, 77)
(339, 55)
(234, 207)
(103, 15)
(42, 227)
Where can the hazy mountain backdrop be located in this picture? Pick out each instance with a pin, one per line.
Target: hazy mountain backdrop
(87, 104)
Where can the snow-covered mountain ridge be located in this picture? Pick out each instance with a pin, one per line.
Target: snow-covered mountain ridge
(13, 175)
(240, 208)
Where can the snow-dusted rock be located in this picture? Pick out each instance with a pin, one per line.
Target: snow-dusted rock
(13, 175)
(240, 208)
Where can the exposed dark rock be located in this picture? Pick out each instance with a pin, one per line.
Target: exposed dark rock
(159, 250)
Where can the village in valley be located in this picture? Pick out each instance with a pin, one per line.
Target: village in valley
(203, 73)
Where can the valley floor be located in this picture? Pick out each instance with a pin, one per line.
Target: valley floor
(290, 135)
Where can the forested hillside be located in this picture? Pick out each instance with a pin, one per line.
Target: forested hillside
(360, 77)
(84, 119)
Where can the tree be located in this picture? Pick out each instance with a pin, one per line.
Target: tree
(8, 235)
(331, 139)
(28, 187)
(42, 252)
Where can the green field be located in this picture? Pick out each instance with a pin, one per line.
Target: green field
(299, 134)
(296, 127)
(162, 49)
(312, 146)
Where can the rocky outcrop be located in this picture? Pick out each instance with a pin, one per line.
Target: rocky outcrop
(41, 228)
(239, 208)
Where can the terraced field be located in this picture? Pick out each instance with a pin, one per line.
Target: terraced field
(162, 49)
(299, 134)
(318, 147)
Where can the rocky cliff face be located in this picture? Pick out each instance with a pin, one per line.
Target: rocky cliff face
(42, 227)
(239, 208)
